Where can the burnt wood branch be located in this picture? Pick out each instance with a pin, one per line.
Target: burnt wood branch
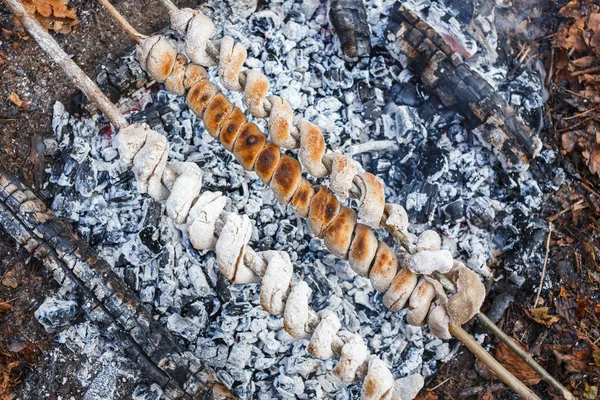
(426, 53)
(349, 20)
(106, 299)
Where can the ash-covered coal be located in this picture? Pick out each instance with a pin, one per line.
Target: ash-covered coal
(373, 109)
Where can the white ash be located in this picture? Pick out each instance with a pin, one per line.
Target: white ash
(444, 177)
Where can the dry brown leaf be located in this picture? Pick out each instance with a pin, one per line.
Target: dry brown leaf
(53, 14)
(584, 62)
(516, 365)
(5, 307)
(488, 395)
(592, 35)
(540, 315)
(426, 395)
(593, 159)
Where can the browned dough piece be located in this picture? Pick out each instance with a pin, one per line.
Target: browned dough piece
(231, 128)
(384, 268)
(174, 83)
(248, 144)
(419, 303)
(312, 149)
(339, 234)
(267, 162)
(302, 198)
(194, 73)
(324, 207)
(200, 96)
(398, 293)
(372, 199)
(362, 249)
(255, 92)
(286, 179)
(216, 114)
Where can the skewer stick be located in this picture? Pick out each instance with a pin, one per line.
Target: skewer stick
(169, 4)
(94, 94)
(79, 78)
(138, 37)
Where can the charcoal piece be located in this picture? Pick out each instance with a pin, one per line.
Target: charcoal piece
(349, 20)
(420, 199)
(186, 328)
(481, 213)
(56, 314)
(454, 211)
(405, 94)
(365, 92)
(103, 385)
(264, 22)
(338, 78)
(499, 306)
(433, 162)
(147, 392)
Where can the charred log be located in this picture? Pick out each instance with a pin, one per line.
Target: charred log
(349, 20)
(107, 300)
(425, 52)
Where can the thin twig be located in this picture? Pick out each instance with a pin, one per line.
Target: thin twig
(130, 30)
(583, 121)
(80, 79)
(581, 114)
(587, 187)
(586, 71)
(537, 297)
(579, 205)
(439, 385)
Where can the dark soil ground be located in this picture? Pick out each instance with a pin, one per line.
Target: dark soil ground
(564, 339)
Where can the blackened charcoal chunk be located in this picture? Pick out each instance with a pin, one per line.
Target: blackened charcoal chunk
(86, 180)
(197, 312)
(480, 212)
(339, 78)
(534, 235)
(454, 211)
(433, 162)
(365, 91)
(371, 110)
(499, 305)
(264, 22)
(187, 328)
(104, 384)
(421, 200)
(148, 236)
(55, 314)
(289, 386)
(378, 68)
(405, 94)
(144, 392)
(274, 45)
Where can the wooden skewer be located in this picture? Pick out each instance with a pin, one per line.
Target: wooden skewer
(138, 37)
(48, 44)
